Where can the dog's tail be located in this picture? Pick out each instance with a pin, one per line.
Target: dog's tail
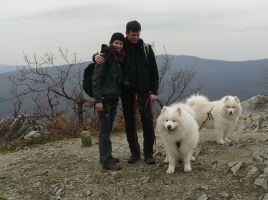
(196, 100)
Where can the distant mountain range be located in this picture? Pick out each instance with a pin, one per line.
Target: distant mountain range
(241, 78)
(7, 68)
(219, 78)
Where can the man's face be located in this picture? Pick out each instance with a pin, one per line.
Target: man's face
(133, 37)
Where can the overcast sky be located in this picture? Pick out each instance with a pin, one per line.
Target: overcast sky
(213, 29)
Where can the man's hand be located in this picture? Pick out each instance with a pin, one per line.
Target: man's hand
(99, 59)
(99, 106)
(152, 97)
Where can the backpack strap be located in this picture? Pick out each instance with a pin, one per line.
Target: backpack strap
(146, 50)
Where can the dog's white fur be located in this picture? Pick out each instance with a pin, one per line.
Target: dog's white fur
(177, 124)
(225, 113)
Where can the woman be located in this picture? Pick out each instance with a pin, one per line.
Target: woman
(106, 87)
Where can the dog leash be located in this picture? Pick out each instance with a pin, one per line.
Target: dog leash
(209, 117)
(137, 104)
(161, 106)
(157, 100)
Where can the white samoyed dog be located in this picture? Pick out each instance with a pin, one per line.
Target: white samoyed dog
(179, 134)
(223, 114)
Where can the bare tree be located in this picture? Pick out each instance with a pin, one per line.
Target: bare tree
(49, 84)
(174, 85)
(16, 100)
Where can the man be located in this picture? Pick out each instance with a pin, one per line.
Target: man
(140, 84)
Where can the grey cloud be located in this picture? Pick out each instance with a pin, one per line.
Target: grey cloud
(217, 20)
(110, 15)
(75, 12)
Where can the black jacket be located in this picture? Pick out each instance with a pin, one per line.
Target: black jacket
(140, 71)
(107, 77)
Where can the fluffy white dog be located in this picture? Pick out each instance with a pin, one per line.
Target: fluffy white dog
(179, 134)
(221, 115)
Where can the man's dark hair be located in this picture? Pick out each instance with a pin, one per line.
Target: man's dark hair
(133, 26)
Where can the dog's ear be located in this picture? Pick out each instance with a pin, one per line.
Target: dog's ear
(237, 100)
(179, 110)
(226, 99)
(163, 109)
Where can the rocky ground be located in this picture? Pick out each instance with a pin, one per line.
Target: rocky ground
(65, 170)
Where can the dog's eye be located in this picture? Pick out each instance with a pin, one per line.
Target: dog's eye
(173, 120)
(166, 120)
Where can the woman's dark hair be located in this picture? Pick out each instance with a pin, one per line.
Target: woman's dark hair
(133, 26)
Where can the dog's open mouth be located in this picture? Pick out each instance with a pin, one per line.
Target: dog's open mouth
(170, 130)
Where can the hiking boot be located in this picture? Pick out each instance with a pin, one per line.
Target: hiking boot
(114, 160)
(149, 160)
(133, 159)
(111, 166)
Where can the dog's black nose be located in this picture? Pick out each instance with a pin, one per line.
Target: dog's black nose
(169, 126)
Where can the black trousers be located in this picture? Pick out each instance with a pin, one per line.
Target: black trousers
(144, 106)
(106, 118)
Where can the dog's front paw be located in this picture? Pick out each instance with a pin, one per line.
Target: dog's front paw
(193, 158)
(187, 168)
(170, 170)
(221, 141)
(227, 140)
(166, 160)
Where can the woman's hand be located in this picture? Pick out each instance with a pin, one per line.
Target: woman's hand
(99, 106)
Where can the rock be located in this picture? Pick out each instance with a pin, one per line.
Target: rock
(59, 193)
(250, 141)
(224, 194)
(203, 197)
(258, 156)
(44, 172)
(255, 115)
(20, 127)
(266, 162)
(257, 104)
(114, 173)
(235, 166)
(37, 184)
(265, 154)
(261, 181)
(32, 134)
(231, 164)
(265, 197)
(86, 139)
(145, 179)
(252, 170)
(197, 151)
(88, 193)
(265, 171)
(239, 145)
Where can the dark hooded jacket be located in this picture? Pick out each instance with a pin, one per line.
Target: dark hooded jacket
(107, 77)
(140, 70)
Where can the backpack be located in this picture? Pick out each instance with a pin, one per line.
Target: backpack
(88, 72)
(87, 79)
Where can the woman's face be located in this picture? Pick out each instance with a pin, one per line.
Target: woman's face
(118, 44)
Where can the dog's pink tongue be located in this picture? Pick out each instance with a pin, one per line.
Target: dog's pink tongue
(170, 130)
